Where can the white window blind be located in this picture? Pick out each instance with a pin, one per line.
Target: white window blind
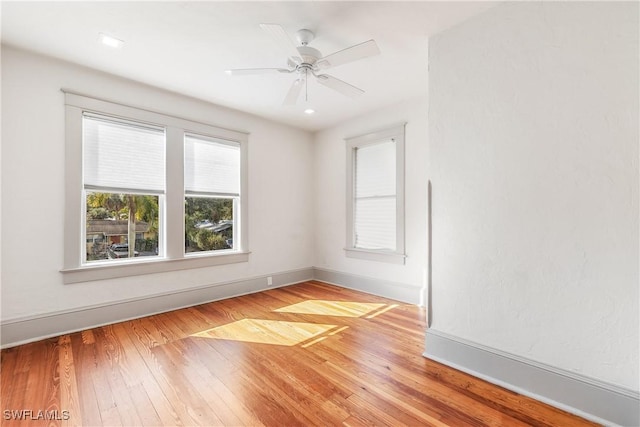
(123, 156)
(375, 196)
(211, 167)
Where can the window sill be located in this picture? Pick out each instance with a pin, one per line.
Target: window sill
(137, 267)
(369, 255)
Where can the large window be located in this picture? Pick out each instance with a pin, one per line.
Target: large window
(147, 192)
(375, 189)
(124, 186)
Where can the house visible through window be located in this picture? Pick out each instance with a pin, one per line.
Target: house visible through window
(375, 188)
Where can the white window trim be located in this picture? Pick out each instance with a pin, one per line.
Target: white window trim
(398, 256)
(174, 257)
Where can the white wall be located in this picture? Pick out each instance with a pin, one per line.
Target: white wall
(534, 156)
(33, 200)
(330, 196)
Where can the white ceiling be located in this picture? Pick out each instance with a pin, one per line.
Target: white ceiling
(186, 46)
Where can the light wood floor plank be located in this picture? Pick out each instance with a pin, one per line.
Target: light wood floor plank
(85, 365)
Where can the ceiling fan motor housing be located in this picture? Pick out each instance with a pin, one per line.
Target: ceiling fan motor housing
(309, 55)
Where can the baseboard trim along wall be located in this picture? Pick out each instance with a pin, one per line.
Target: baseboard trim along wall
(33, 328)
(591, 399)
(398, 291)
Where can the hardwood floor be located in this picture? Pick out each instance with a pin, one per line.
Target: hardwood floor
(307, 354)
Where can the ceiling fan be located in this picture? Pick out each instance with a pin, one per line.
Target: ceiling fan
(305, 62)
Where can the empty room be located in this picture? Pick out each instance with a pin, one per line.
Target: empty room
(320, 213)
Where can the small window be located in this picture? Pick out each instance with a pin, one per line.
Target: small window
(375, 189)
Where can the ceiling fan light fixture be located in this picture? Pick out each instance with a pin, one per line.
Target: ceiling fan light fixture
(309, 111)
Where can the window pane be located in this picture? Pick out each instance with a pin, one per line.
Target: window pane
(375, 173)
(208, 224)
(123, 155)
(374, 196)
(375, 223)
(211, 167)
(108, 226)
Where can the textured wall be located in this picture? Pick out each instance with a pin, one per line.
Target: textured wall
(534, 155)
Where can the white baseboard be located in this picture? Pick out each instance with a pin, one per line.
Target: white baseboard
(23, 330)
(595, 400)
(398, 291)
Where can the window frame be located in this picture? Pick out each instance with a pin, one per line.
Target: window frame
(74, 270)
(397, 256)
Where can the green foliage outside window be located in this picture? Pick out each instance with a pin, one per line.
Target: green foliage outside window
(204, 223)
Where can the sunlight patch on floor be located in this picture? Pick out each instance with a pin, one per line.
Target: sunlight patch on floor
(382, 311)
(331, 308)
(276, 332)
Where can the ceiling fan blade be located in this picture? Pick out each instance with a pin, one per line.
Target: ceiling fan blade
(278, 34)
(338, 85)
(350, 54)
(251, 71)
(294, 92)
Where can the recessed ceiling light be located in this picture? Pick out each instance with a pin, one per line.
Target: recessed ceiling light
(309, 111)
(110, 41)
